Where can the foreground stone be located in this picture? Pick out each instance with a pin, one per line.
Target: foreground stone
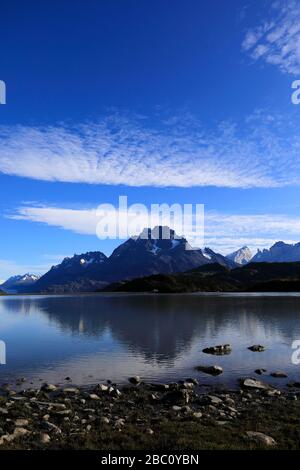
(178, 396)
(45, 438)
(254, 384)
(48, 388)
(136, 380)
(177, 412)
(18, 432)
(261, 438)
(21, 422)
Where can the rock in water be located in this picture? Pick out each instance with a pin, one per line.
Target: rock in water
(260, 371)
(294, 384)
(135, 380)
(48, 388)
(257, 348)
(261, 438)
(279, 375)
(218, 350)
(254, 384)
(212, 370)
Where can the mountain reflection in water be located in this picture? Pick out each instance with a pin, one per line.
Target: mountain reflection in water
(156, 336)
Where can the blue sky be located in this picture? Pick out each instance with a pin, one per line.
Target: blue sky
(163, 101)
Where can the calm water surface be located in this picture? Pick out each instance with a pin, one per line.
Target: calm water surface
(92, 338)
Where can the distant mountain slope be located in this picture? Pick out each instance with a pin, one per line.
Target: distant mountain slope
(16, 284)
(278, 253)
(156, 251)
(74, 274)
(241, 256)
(261, 277)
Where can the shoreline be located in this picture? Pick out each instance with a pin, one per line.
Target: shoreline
(160, 294)
(142, 416)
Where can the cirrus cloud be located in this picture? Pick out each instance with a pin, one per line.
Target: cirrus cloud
(261, 151)
(277, 39)
(223, 232)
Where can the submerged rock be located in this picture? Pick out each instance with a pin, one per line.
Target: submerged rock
(212, 370)
(279, 375)
(257, 348)
(294, 384)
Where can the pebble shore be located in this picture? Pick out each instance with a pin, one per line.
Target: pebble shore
(150, 416)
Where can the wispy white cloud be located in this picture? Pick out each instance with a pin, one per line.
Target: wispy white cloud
(277, 39)
(10, 268)
(227, 232)
(223, 232)
(262, 151)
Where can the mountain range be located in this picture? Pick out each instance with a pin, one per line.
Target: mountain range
(157, 251)
(20, 283)
(279, 252)
(154, 251)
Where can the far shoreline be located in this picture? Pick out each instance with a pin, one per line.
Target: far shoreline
(137, 293)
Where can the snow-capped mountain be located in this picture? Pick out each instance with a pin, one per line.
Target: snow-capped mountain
(156, 251)
(241, 256)
(153, 252)
(279, 252)
(19, 283)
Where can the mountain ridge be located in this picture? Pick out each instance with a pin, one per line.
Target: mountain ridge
(279, 252)
(154, 251)
(19, 283)
(157, 251)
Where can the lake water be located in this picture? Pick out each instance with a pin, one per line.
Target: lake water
(91, 338)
